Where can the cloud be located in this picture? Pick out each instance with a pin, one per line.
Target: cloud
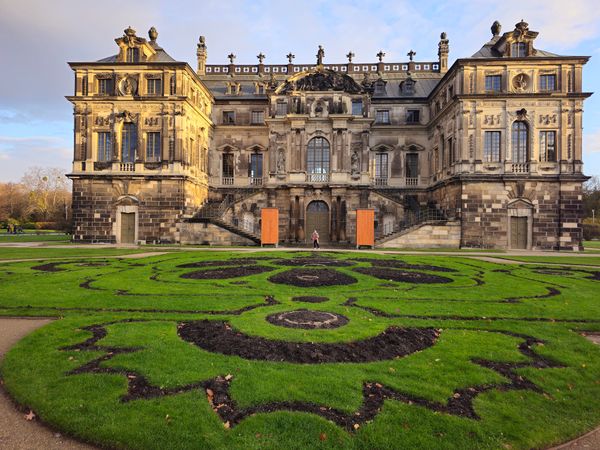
(591, 142)
(19, 153)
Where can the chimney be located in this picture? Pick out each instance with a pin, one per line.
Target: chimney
(201, 54)
(443, 50)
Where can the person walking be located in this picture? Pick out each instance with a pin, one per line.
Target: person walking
(315, 239)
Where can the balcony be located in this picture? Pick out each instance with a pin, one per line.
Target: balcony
(127, 167)
(227, 181)
(380, 181)
(317, 177)
(254, 181)
(519, 167)
(411, 181)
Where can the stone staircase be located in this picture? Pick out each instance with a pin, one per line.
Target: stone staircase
(414, 221)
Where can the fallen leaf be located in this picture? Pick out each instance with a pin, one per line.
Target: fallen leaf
(30, 416)
(226, 425)
(356, 426)
(228, 377)
(322, 437)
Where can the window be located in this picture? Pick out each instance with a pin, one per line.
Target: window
(317, 157)
(173, 85)
(104, 146)
(520, 146)
(548, 82)
(154, 86)
(257, 117)
(548, 146)
(382, 116)
(281, 108)
(412, 165)
(357, 108)
(379, 87)
(153, 147)
(128, 142)
(413, 116)
(105, 86)
(518, 50)
(133, 55)
(451, 154)
(491, 146)
(381, 165)
(493, 83)
(227, 165)
(255, 169)
(228, 118)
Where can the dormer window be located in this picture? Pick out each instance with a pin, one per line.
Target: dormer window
(133, 55)
(518, 50)
(379, 87)
(407, 87)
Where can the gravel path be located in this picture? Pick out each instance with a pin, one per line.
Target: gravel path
(16, 433)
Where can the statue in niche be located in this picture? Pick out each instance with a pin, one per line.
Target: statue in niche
(354, 163)
(128, 86)
(281, 161)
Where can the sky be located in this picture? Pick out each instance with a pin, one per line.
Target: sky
(38, 37)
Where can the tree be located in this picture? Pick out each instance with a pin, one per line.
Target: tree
(591, 197)
(49, 194)
(13, 202)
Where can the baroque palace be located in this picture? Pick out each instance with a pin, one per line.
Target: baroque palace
(484, 153)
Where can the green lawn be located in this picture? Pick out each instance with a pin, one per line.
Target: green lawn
(42, 237)
(10, 253)
(489, 356)
(567, 260)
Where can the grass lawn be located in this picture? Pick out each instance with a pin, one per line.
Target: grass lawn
(289, 350)
(10, 253)
(566, 260)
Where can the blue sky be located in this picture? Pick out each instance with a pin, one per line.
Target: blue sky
(37, 40)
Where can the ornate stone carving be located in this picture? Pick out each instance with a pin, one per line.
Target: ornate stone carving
(320, 80)
(320, 55)
(521, 82)
(281, 161)
(152, 121)
(355, 163)
(492, 119)
(547, 119)
(102, 121)
(128, 86)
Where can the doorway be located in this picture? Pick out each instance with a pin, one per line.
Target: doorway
(518, 232)
(317, 218)
(127, 228)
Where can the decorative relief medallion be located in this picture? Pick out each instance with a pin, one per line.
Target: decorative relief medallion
(128, 86)
(521, 82)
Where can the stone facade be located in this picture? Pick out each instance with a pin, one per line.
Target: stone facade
(492, 142)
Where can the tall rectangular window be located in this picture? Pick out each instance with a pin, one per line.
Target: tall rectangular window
(548, 82)
(281, 109)
(154, 86)
(491, 146)
(381, 165)
(105, 86)
(173, 85)
(382, 116)
(548, 146)
(255, 169)
(228, 165)
(228, 118)
(412, 165)
(357, 107)
(257, 118)
(153, 147)
(413, 116)
(128, 142)
(133, 55)
(104, 146)
(493, 83)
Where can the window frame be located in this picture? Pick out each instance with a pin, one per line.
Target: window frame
(318, 156)
(228, 117)
(382, 117)
(132, 55)
(413, 116)
(229, 164)
(492, 86)
(129, 142)
(381, 165)
(543, 82)
(545, 146)
(492, 146)
(104, 150)
(255, 165)
(153, 146)
(154, 86)
(412, 165)
(105, 86)
(357, 107)
(520, 142)
(257, 113)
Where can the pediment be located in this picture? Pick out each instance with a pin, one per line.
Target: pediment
(320, 79)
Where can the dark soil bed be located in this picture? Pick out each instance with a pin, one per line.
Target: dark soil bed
(312, 278)
(310, 299)
(225, 263)
(50, 267)
(402, 276)
(313, 261)
(308, 320)
(228, 272)
(391, 263)
(220, 337)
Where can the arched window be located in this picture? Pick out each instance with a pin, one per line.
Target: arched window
(317, 159)
(128, 142)
(520, 142)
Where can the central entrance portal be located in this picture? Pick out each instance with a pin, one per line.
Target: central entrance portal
(317, 218)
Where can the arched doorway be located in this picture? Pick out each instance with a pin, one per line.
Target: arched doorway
(317, 218)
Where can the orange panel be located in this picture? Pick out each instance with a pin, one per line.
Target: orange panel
(365, 227)
(269, 230)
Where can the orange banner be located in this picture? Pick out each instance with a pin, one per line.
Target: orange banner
(365, 227)
(269, 230)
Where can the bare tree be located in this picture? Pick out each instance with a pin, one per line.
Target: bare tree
(49, 192)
